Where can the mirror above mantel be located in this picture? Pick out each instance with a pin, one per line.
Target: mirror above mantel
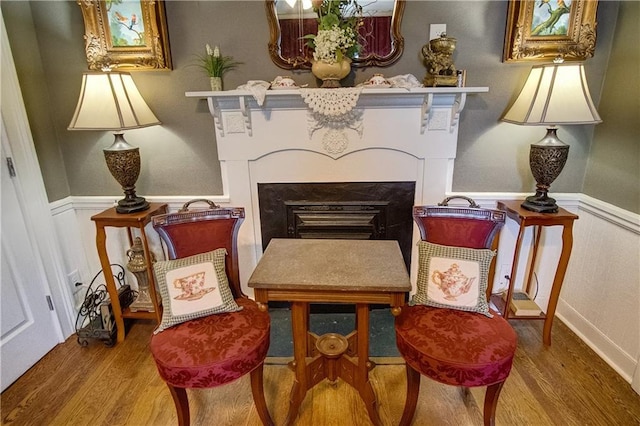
(290, 20)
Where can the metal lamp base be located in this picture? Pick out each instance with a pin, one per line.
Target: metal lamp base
(540, 205)
(133, 205)
(546, 159)
(123, 161)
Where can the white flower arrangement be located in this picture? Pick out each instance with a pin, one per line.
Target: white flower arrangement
(332, 44)
(337, 36)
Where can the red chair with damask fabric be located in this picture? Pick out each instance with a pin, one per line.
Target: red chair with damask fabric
(215, 349)
(448, 332)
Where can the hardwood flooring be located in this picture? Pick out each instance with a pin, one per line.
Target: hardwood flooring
(566, 384)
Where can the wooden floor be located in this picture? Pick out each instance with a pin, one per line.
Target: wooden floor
(566, 384)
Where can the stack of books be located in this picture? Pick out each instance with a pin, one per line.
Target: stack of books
(522, 305)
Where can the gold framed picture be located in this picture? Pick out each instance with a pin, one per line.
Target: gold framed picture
(126, 34)
(540, 30)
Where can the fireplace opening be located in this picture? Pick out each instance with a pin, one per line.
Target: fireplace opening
(355, 220)
(343, 210)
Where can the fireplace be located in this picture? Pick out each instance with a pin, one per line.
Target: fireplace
(354, 210)
(393, 136)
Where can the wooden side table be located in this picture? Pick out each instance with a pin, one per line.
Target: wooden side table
(110, 218)
(527, 218)
(304, 271)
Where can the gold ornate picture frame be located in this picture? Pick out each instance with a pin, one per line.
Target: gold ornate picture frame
(540, 30)
(126, 34)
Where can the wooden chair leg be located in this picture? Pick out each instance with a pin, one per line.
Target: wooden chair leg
(491, 403)
(413, 388)
(181, 402)
(257, 389)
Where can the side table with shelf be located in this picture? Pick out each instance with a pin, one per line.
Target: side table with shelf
(526, 218)
(110, 218)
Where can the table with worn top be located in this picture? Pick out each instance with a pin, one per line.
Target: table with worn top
(304, 271)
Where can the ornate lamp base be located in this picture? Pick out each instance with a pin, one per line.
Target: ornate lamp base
(123, 161)
(540, 204)
(132, 204)
(547, 159)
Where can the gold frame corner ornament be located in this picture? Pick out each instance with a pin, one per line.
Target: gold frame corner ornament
(152, 54)
(578, 44)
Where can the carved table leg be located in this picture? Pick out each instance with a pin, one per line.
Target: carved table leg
(363, 384)
(300, 326)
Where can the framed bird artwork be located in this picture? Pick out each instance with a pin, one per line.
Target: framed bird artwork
(126, 34)
(541, 30)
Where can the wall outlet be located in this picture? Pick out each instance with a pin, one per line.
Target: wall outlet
(436, 30)
(74, 281)
(504, 276)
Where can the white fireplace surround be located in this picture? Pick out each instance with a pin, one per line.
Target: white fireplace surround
(405, 135)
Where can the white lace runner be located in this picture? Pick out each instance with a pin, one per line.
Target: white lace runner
(333, 108)
(331, 102)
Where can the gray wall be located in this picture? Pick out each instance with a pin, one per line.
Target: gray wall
(615, 151)
(180, 158)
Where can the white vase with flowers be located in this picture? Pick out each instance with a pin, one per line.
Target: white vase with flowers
(336, 42)
(216, 65)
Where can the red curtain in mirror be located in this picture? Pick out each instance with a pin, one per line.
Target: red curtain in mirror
(375, 36)
(292, 45)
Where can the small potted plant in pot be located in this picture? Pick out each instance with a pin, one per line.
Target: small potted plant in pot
(216, 66)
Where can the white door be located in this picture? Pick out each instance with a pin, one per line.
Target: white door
(26, 322)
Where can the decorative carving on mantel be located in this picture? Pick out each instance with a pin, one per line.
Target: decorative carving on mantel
(333, 109)
(335, 142)
(433, 120)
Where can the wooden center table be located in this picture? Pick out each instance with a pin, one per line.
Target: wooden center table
(304, 271)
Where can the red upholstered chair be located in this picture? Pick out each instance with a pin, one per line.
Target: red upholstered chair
(220, 348)
(452, 346)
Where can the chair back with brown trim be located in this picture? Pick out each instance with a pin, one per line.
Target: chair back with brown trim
(189, 232)
(458, 226)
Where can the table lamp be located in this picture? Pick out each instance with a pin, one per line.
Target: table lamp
(111, 101)
(554, 94)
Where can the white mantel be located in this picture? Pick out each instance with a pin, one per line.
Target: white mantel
(399, 135)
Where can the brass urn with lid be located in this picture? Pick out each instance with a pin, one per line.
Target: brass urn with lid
(438, 59)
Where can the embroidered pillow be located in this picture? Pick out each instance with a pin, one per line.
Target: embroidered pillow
(453, 277)
(193, 287)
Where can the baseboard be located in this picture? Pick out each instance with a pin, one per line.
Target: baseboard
(622, 363)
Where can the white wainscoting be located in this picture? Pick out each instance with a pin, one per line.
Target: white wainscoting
(600, 299)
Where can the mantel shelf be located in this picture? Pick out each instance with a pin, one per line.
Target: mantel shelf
(424, 97)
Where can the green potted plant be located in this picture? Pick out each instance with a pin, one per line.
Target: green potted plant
(216, 65)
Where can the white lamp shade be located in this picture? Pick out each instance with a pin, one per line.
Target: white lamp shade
(554, 94)
(110, 101)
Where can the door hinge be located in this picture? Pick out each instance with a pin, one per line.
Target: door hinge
(12, 169)
(50, 303)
